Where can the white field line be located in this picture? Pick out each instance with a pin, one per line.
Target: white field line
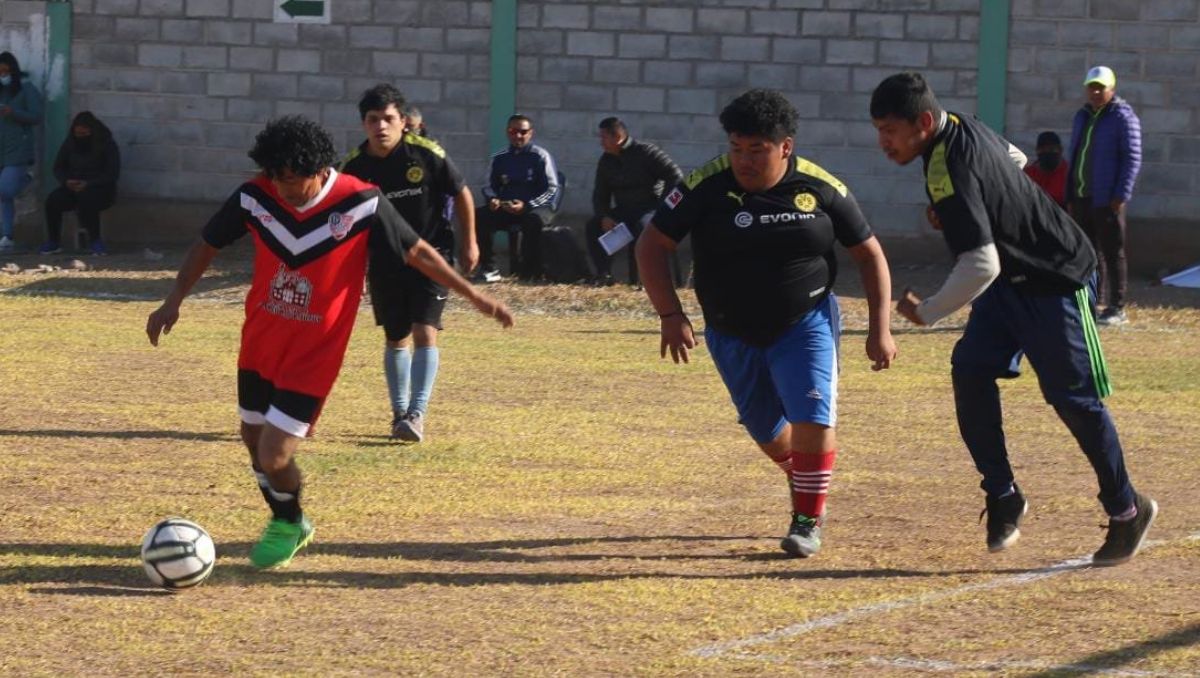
(854, 614)
(939, 666)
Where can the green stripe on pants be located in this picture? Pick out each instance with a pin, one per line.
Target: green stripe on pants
(1092, 337)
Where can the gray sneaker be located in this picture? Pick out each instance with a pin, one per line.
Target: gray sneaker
(803, 538)
(410, 429)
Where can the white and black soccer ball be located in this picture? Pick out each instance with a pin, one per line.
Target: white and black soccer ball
(178, 554)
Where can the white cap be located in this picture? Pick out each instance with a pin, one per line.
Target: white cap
(1103, 75)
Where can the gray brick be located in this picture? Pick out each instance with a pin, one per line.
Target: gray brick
(125, 7)
(155, 8)
(91, 27)
(276, 35)
(784, 22)
(344, 61)
(275, 85)
(652, 99)
(1143, 36)
(845, 106)
(672, 73)
(904, 53)
(938, 5)
(216, 8)
(1085, 34)
(466, 93)
(1127, 65)
(693, 46)
(253, 9)
(1185, 37)
(444, 13)
(444, 66)
(323, 87)
(430, 91)
(744, 49)
(953, 54)
(1166, 120)
(205, 57)
(717, 74)
(113, 54)
(1113, 9)
(479, 66)
(861, 52)
(1020, 59)
(298, 61)
(968, 28)
(200, 107)
(304, 108)
(588, 98)
(1061, 61)
(634, 46)
(181, 82)
(723, 21)
(252, 58)
(228, 84)
(134, 80)
(864, 79)
(545, 42)
(1168, 66)
(152, 156)
(421, 39)
(471, 40)
(825, 78)
(135, 29)
(249, 110)
(546, 95)
(375, 37)
(670, 20)
(1168, 10)
(1185, 149)
(481, 14)
(607, 17)
(158, 56)
(183, 30)
(1167, 178)
(774, 76)
(229, 32)
(590, 43)
(871, 25)
(1141, 93)
(1031, 33)
(833, 24)
(565, 16)
(229, 135)
(932, 27)
(797, 50)
(566, 69)
(322, 36)
(396, 63)
(527, 15)
(1061, 8)
(352, 12)
(697, 101)
(626, 71)
(91, 79)
(528, 68)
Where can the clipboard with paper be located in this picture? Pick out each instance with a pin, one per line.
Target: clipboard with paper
(616, 239)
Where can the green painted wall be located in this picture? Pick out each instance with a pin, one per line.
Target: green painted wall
(502, 93)
(992, 82)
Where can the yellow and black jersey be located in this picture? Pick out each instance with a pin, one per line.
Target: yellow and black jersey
(981, 196)
(762, 260)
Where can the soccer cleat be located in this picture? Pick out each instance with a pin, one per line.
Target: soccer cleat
(1125, 537)
(50, 247)
(804, 536)
(1112, 317)
(1003, 518)
(280, 542)
(410, 429)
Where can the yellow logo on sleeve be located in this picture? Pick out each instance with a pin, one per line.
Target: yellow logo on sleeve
(414, 175)
(805, 202)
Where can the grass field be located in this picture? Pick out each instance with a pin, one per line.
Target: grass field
(579, 508)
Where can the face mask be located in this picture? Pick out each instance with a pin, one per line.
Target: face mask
(5, 80)
(1048, 161)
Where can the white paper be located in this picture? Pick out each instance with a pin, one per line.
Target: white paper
(615, 239)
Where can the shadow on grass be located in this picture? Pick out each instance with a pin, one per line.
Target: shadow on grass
(120, 435)
(1110, 660)
(122, 289)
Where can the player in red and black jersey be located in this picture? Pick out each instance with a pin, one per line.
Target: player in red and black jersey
(416, 176)
(763, 224)
(311, 228)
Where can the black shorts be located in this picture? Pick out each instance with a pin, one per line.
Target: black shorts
(401, 297)
(260, 402)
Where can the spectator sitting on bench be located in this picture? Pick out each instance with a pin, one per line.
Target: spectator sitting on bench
(87, 167)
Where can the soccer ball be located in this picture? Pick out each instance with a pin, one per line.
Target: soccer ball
(178, 554)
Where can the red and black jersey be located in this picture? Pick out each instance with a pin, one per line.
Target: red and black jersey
(308, 274)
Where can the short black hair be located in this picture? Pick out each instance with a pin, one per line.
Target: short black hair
(517, 117)
(761, 113)
(293, 142)
(378, 98)
(1049, 138)
(14, 69)
(613, 124)
(905, 96)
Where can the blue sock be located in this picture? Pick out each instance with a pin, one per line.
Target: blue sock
(396, 365)
(424, 372)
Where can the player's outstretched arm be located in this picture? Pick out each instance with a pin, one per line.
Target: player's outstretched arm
(198, 258)
(426, 259)
(653, 248)
(877, 282)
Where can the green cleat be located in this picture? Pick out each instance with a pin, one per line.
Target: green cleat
(280, 542)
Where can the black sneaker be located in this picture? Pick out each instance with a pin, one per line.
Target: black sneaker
(804, 536)
(1003, 517)
(1125, 537)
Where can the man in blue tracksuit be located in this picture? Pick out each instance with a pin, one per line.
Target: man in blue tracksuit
(1106, 154)
(521, 191)
(1030, 272)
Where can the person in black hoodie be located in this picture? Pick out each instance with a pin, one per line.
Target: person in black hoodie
(87, 167)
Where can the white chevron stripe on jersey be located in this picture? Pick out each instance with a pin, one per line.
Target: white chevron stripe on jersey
(345, 220)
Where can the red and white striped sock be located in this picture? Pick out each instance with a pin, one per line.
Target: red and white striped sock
(810, 477)
(784, 464)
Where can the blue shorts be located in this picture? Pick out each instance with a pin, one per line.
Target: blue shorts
(794, 380)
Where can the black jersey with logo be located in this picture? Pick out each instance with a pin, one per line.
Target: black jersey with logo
(417, 177)
(762, 260)
(981, 196)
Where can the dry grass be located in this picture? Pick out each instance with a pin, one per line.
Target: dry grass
(581, 508)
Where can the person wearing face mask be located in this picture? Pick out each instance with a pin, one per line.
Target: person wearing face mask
(87, 166)
(1050, 169)
(20, 110)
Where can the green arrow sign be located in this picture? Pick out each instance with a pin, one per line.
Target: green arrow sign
(295, 8)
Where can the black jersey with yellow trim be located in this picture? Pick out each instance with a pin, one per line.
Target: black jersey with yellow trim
(417, 177)
(981, 196)
(762, 260)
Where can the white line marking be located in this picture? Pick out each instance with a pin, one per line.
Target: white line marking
(940, 666)
(853, 614)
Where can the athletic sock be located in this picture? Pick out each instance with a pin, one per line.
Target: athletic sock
(396, 365)
(424, 372)
(284, 505)
(1126, 515)
(810, 482)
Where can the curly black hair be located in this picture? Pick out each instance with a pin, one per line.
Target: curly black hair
(293, 142)
(378, 98)
(761, 113)
(904, 96)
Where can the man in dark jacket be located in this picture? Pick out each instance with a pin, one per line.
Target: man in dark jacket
(631, 178)
(87, 167)
(1106, 154)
